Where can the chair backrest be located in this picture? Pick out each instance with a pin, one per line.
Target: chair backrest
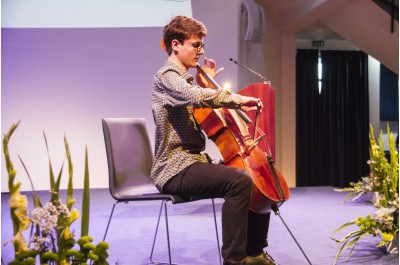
(129, 157)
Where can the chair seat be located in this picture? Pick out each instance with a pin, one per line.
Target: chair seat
(157, 196)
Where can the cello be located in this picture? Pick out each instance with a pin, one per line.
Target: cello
(229, 130)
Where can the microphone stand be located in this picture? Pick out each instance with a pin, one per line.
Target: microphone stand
(265, 80)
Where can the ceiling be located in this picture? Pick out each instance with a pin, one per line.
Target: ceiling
(316, 30)
(361, 23)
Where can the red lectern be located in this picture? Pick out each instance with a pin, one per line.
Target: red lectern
(266, 122)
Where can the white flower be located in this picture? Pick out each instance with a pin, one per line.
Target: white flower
(45, 217)
(63, 210)
(39, 242)
(382, 212)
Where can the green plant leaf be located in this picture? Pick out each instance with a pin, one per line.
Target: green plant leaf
(36, 198)
(70, 200)
(52, 180)
(9, 165)
(359, 195)
(58, 181)
(394, 161)
(344, 243)
(54, 184)
(85, 199)
(334, 239)
(351, 191)
(344, 190)
(343, 226)
(338, 254)
(353, 243)
(348, 237)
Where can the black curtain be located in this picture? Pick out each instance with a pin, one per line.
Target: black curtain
(332, 124)
(388, 95)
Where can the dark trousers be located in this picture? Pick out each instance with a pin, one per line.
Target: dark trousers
(243, 232)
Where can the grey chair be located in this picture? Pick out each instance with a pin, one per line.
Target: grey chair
(130, 157)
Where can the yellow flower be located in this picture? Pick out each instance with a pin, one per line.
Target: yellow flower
(67, 233)
(64, 262)
(387, 237)
(18, 201)
(24, 223)
(73, 216)
(19, 204)
(20, 241)
(12, 173)
(374, 148)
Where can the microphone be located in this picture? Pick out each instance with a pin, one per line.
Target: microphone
(265, 80)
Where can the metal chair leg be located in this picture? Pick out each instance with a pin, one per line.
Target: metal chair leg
(166, 226)
(163, 205)
(155, 234)
(109, 220)
(216, 232)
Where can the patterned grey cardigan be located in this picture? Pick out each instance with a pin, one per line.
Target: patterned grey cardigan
(179, 140)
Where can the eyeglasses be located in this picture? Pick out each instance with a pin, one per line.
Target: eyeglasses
(197, 45)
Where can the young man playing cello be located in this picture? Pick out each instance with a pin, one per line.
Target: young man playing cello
(179, 167)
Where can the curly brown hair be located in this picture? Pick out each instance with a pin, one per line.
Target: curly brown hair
(181, 28)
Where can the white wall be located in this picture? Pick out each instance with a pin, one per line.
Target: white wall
(373, 82)
(66, 80)
(90, 13)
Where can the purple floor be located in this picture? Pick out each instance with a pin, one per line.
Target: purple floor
(312, 214)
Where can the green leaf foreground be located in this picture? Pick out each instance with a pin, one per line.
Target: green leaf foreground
(54, 185)
(13, 188)
(383, 180)
(36, 198)
(70, 190)
(85, 199)
(62, 241)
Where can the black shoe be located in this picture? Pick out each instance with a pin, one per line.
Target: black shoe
(260, 259)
